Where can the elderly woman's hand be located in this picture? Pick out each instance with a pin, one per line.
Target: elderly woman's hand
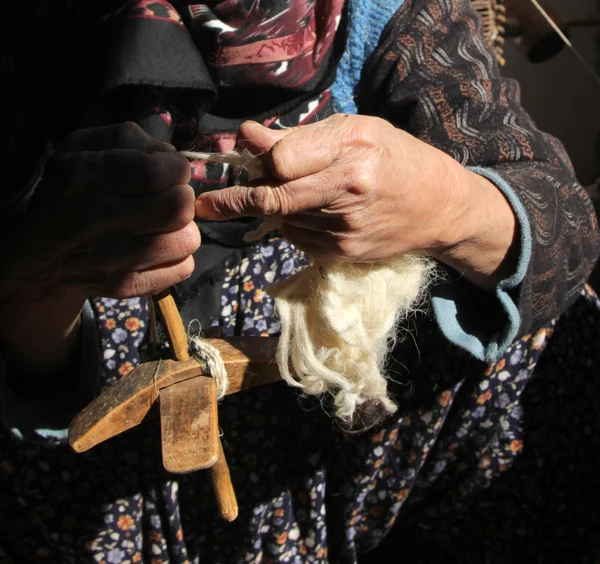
(355, 188)
(113, 216)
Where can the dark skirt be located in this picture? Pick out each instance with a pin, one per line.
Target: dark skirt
(480, 464)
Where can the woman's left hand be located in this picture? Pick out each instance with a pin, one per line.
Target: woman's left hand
(357, 189)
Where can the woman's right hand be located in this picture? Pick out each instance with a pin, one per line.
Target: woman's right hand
(113, 216)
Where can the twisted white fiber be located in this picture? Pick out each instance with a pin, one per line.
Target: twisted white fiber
(338, 324)
(339, 321)
(209, 356)
(244, 159)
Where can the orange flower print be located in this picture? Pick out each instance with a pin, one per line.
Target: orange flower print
(132, 324)
(500, 365)
(539, 339)
(258, 295)
(445, 398)
(125, 368)
(281, 538)
(483, 398)
(110, 323)
(248, 286)
(137, 557)
(516, 445)
(125, 522)
(377, 437)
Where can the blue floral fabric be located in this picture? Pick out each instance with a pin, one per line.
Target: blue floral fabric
(480, 462)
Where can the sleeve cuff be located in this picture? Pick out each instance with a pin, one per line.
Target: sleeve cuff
(46, 420)
(457, 306)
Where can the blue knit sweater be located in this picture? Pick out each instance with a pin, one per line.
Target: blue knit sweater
(366, 21)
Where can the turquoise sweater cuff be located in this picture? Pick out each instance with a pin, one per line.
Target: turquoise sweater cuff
(486, 333)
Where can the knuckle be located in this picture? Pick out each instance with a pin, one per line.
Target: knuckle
(267, 201)
(262, 201)
(169, 169)
(365, 132)
(362, 180)
(129, 135)
(282, 156)
(181, 202)
(190, 239)
(181, 167)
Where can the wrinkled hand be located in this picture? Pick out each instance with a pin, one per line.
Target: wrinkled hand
(349, 187)
(112, 217)
(356, 189)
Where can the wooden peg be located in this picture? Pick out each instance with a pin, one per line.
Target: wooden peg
(175, 329)
(223, 487)
(189, 425)
(181, 448)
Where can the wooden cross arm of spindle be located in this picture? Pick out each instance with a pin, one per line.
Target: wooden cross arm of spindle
(249, 362)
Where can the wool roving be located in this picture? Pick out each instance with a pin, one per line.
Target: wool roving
(340, 320)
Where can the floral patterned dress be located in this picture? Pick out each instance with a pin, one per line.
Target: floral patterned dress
(480, 465)
(483, 463)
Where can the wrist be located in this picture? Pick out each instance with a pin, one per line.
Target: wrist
(483, 241)
(39, 331)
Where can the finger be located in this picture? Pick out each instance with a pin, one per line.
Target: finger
(165, 211)
(126, 172)
(265, 200)
(144, 252)
(126, 135)
(320, 220)
(324, 245)
(258, 139)
(295, 152)
(317, 245)
(152, 281)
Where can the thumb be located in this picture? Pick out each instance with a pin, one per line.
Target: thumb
(259, 139)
